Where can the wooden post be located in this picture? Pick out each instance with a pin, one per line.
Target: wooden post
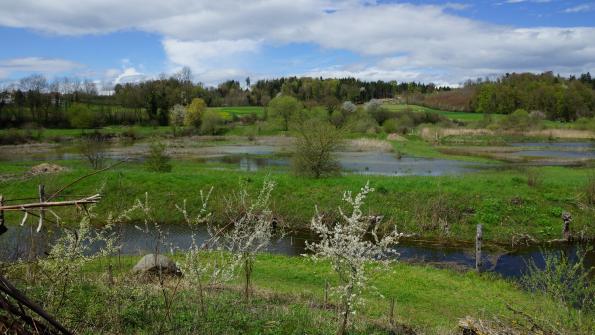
(2, 226)
(42, 200)
(391, 317)
(325, 293)
(478, 241)
(567, 218)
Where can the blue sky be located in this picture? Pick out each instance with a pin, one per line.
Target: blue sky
(112, 41)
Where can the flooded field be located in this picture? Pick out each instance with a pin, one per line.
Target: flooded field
(564, 150)
(253, 157)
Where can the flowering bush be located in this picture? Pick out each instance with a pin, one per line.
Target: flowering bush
(349, 246)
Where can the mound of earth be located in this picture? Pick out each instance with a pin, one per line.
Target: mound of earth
(45, 168)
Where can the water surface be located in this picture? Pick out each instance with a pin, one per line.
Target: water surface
(15, 245)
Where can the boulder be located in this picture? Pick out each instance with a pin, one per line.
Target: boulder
(151, 264)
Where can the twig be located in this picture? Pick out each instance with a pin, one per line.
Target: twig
(83, 177)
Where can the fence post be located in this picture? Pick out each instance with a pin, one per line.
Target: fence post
(391, 316)
(2, 226)
(478, 241)
(41, 199)
(567, 218)
(325, 294)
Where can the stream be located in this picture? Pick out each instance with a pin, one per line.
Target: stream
(509, 264)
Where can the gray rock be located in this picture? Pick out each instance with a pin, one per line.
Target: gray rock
(150, 264)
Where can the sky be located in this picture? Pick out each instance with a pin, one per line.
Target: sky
(115, 41)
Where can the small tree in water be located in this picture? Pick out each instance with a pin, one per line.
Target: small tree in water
(350, 246)
(315, 148)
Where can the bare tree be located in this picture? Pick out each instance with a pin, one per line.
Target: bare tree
(93, 147)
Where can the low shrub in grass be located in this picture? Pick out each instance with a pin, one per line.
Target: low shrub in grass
(157, 160)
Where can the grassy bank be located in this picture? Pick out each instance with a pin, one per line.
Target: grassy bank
(446, 207)
(289, 300)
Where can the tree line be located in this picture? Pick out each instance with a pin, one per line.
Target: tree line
(65, 102)
(558, 98)
(38, 102)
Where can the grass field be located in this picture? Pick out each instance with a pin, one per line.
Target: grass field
(500, 199)
(240, 111)
(459, 116)
(289, 300)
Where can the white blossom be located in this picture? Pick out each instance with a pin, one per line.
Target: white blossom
(350, 245)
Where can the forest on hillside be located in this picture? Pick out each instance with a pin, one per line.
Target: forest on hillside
(35, 101)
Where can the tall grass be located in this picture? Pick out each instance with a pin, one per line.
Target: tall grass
(590, 189)
(563, 279)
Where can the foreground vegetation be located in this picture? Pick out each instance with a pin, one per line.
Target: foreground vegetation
(289, 299)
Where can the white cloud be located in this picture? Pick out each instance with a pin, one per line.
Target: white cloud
(399, 40)
(211, 61)
(129, 75)
(580, 8)
(36, 64)
(521, 1)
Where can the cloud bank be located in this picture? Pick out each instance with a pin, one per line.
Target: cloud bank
(394, 40)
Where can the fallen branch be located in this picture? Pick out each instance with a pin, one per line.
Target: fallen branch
(22, 207)
(7, 288)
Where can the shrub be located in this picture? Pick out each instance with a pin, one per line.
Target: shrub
(349, 107)
(372, 106)
(534, 178)
(177, 115)
(284, 108)
(93, 147)
(211, 123)
(157, 160)
(194, 112)
(337, 118)
(314, 149)
(249, 230)
(80, 116)
(130, 133)
(562, 279)
(15, 136)
(585, 123)
(350, 245)
(519, 120)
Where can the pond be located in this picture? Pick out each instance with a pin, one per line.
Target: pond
(563, 150)
(15, 245)
(369, 163)
(254, 157)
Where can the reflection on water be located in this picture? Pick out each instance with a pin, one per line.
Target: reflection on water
(566, 150)
(372, 163)
(14, 245)
(254, 157)
(257, 157)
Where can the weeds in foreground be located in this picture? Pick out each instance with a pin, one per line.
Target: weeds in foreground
(590, 189)
(534, 178)
(563, 279)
